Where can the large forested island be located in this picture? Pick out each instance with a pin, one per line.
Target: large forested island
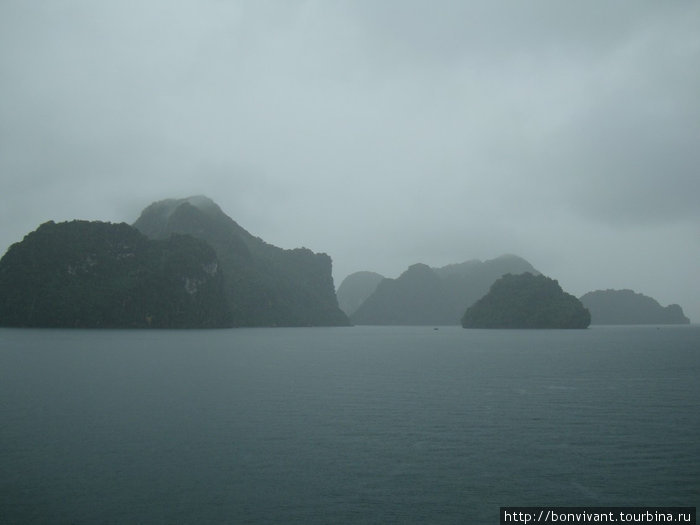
(101, 275)
(184, 263)
(526, 301)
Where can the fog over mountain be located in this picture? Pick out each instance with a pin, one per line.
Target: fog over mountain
(381, 133)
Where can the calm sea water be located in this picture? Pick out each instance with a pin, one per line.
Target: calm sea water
(343, 425)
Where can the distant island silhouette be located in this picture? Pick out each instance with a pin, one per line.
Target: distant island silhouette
(424, 296)
(629, 307)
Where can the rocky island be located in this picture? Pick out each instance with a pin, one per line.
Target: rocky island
(82, 274)
(425, 296)
(264, 285)
(184, 264)
(629, 307)
(526, 301)
(417, 297)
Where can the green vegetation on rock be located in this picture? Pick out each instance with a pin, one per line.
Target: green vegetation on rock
(102, 275)
(526, 301)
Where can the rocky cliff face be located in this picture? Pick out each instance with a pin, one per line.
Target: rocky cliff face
(265, 285)
(629, 307)
(102, 275)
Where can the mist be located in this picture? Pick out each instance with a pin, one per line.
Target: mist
(381, 133)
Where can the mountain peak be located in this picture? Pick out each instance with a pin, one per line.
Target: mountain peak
(417, 269)
(166, 207)
(265, 285)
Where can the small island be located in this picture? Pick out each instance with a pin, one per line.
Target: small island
(630, 307)
(526, 301)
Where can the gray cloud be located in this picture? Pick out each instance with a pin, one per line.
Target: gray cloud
(384, 133)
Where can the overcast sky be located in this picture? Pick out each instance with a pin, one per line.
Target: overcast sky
(383, 133)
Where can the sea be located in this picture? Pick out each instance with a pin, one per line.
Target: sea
(356, 425)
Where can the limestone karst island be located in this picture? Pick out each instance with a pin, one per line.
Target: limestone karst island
(184, 263)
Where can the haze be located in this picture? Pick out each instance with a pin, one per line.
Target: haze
(383, 133)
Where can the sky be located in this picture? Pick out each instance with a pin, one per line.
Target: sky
(381, 132)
